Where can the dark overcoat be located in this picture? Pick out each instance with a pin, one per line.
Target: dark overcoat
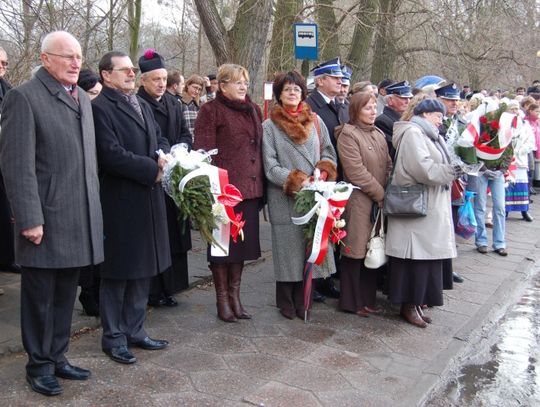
(385, 123)
(332, 117)
(135, 223)
(48, 161)
(168, 114)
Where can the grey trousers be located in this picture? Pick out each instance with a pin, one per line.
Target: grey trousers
(122, 306)
(47, 299)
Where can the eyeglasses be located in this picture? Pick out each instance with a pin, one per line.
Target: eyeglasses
(4, 63)
(195, 88)
(76, 58)
(241, 83)
(127, 70)
(292, 89)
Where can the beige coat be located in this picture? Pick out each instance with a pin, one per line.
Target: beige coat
(420, 161)
(363, 154)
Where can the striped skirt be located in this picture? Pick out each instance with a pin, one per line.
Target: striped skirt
(517, 194)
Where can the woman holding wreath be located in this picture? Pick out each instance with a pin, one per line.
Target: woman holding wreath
(232, 124)
(295, 143)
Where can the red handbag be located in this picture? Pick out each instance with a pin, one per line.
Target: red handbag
(458, 188)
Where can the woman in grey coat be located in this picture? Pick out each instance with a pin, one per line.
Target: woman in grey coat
(417, 246)
(295, 143)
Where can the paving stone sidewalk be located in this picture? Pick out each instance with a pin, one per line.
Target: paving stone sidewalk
(337, 359)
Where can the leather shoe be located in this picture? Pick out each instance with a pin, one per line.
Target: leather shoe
(170, 302)
(501, 252)
(318, 297)
(363, 313)
(120, 354)
(482, 249)
(457, 278)
(47, 385)
(150, 344)
(527, 216)
(420, 312)
(328, 288)
(156, 302)
(410, 313)
(289, 314)
(11, 268)
(71, 372)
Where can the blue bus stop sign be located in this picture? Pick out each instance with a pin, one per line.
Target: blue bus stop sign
(306, 41)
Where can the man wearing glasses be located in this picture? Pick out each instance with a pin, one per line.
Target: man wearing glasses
(48, 160)
(134, 215)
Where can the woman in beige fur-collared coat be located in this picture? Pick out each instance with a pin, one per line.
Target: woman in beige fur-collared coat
(295, 143)
(363, 153)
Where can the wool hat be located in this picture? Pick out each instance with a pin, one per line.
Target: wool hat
(150, 61)
(429, 106)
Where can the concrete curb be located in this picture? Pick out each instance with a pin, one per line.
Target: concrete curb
(490, 312)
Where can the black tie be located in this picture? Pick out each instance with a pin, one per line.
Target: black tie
(332, 105)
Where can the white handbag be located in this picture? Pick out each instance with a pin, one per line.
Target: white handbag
(375, 255)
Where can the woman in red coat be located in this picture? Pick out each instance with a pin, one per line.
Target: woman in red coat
(232, 124)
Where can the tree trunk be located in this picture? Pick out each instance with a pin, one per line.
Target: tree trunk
(362, 39)
(110, 31)
(281, 56)
(214, 29)
(134, 24)
(384, 53)
(328, 33)
(245, 42)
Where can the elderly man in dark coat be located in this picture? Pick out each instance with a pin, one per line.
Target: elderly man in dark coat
(168, 114)
(7, 250)
(398, 96)
(136, 239)
(322, 101)
(48, 159)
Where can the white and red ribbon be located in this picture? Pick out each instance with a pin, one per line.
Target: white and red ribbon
(335, 196)
(471, 135)
(218, 178)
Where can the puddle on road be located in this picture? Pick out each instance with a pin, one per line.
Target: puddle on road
(504, 370)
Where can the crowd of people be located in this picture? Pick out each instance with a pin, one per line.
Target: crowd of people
(82, 203)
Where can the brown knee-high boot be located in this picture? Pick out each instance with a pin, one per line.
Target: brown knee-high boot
(221, 284)
(410, 314)
(235, 277)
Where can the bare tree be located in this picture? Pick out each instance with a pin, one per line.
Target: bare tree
(242, 43)
(281, 55)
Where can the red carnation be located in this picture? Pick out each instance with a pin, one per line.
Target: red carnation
(149, 53)
(494, 125)
(483, 120)
(485, 136)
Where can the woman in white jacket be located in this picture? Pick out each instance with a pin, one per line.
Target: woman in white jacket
(517, 191)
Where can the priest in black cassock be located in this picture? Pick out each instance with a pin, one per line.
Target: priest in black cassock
(168, 114)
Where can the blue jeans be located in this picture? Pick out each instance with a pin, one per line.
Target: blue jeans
(497, 195)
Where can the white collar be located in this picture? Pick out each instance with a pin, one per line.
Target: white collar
(326, 98)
